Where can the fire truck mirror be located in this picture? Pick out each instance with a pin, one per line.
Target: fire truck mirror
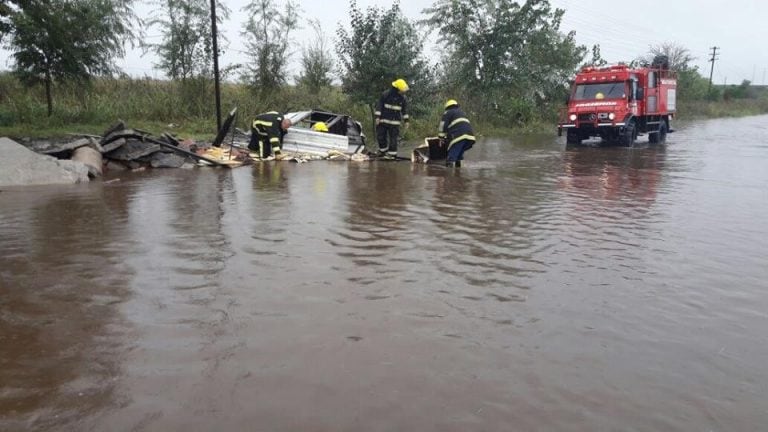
(640, 94)
(634, 91)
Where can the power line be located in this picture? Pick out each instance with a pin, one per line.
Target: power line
(614, 30)
(712, 70)
(217, 89)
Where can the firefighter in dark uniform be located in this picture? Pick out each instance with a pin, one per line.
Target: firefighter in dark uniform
(455, 131)
(267, 132)
(391, 112)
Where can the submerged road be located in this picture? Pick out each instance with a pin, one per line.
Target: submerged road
(537, 288)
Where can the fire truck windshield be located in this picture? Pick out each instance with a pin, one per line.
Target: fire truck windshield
(614, 90)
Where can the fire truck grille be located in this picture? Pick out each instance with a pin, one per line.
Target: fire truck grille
(590, 117)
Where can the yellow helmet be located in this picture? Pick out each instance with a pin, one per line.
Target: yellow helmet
(320, 127)
(400, 85)
(450, 103)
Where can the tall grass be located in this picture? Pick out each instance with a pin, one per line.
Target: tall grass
(731, 108)
(157, 105)
(98, 104)
(187, 108)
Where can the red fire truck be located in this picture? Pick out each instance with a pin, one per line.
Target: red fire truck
(618, 102)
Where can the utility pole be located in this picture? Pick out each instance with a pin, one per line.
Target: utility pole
(763, 76)
(216, 65)
(712, 70)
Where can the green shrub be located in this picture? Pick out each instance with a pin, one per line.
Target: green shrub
(187, 108)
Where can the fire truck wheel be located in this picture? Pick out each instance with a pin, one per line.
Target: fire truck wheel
(660, 136)
(572, 137)
(628, 137)
(663, 132)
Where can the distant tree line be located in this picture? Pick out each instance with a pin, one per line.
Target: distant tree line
(507, 59)
(66, 40)
(691, 85)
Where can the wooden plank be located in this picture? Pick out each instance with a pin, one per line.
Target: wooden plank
(184, 152)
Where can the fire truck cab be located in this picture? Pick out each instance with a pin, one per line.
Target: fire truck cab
(616, 103)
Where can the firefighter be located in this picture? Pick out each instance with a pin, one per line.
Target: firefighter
(391, 112)
(455, 131)
(267, 132)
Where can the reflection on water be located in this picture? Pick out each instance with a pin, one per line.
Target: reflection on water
(630, 175)
(61, 282)
(541, 286)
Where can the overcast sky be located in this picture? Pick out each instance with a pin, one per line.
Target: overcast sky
(624, 31)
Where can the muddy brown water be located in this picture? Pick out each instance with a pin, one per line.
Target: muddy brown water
(537, 288)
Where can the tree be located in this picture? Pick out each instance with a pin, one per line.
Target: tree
(381, 46)
(679, 57)
(6, 11)
(75, 40)
(268, 34)
(690, 83)
(185, 51)
(504, 56)
(745, 90)
(597, 58)
(316, 61)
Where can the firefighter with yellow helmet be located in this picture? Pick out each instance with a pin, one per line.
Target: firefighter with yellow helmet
(320, 127)
(456, 131)
(391, 112)
(267, 132)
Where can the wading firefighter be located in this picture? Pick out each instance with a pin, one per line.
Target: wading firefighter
(391, 112)
(456, 132)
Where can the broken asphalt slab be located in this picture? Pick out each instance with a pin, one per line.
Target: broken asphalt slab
(20, 166)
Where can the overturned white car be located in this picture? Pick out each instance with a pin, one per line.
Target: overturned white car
(344, 135)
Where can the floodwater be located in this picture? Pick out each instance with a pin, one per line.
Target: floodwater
(537, 288)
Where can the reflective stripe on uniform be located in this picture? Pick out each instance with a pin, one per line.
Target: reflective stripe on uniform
(462, 137)
(441, 135)
(275, 149)
(274, 140)
(262, 123)
(457, 121)
(390, 122)
(377, 113)
(393, 107)
(406, 117)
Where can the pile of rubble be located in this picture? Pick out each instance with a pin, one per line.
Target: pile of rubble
(122, 148)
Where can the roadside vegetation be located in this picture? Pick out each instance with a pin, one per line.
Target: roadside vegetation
(507, 62)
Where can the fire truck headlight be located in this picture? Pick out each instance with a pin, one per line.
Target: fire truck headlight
(611, 116)
(572, 117)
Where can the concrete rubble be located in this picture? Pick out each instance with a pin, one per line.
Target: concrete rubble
(20, 166)
(120, 148)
